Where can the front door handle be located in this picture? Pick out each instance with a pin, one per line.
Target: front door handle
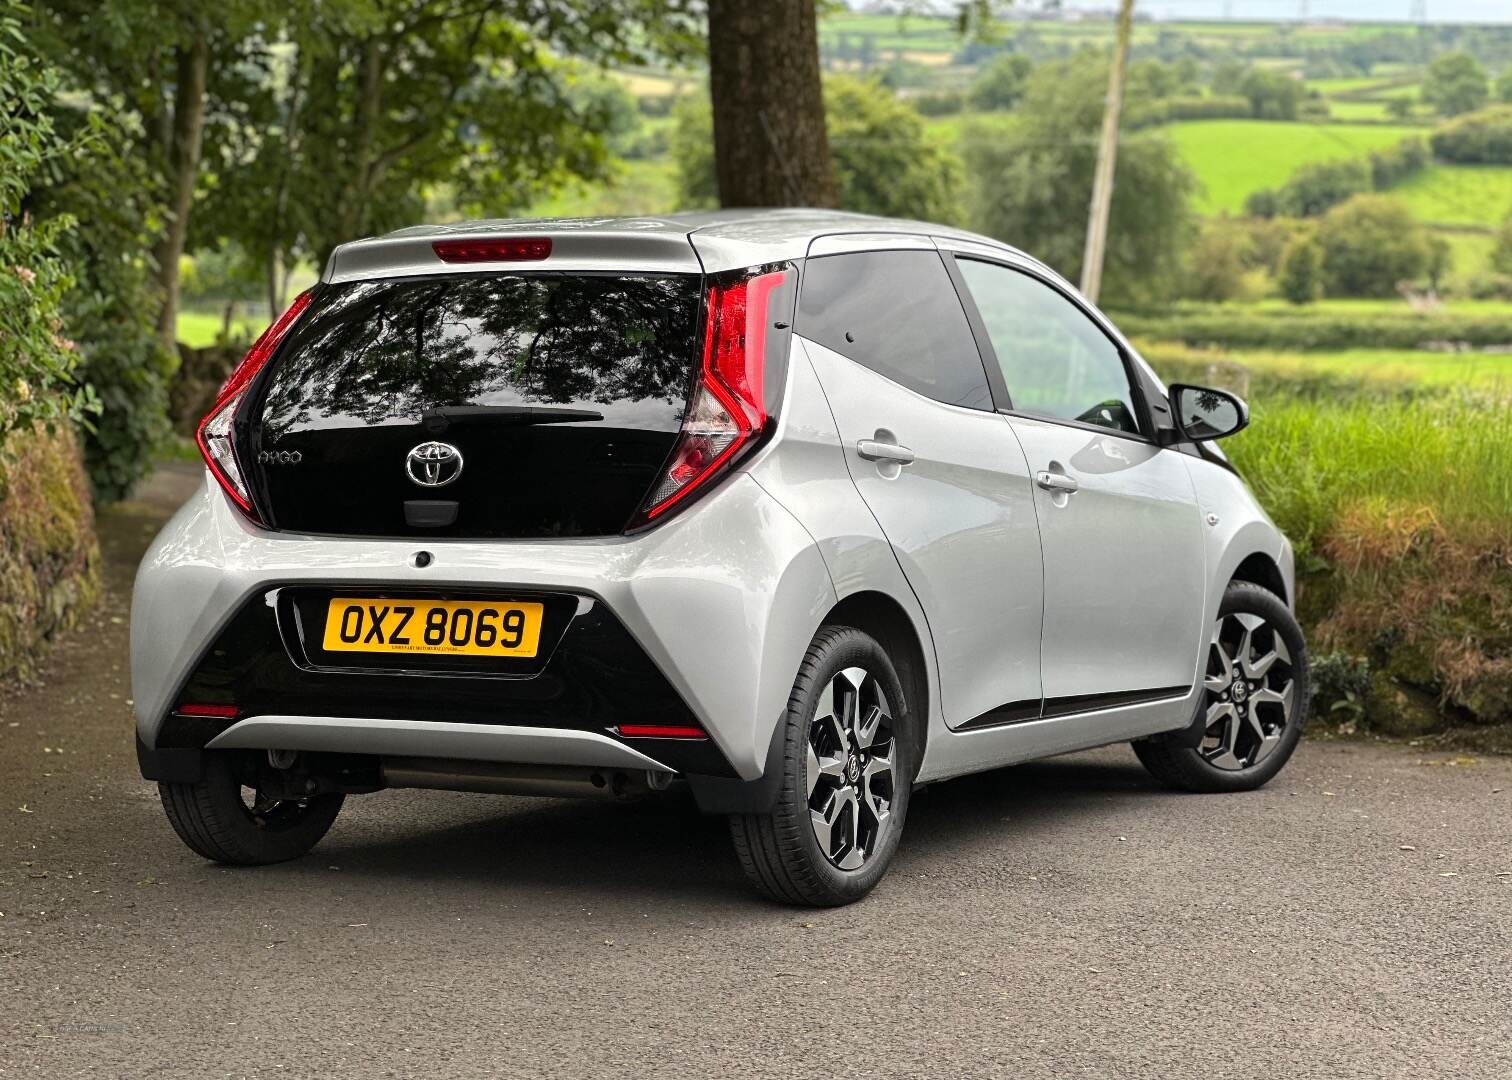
(1054, 481)
(872, 450)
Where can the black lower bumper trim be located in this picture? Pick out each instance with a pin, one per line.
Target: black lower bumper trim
(173, 765)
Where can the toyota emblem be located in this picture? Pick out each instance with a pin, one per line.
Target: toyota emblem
(434, 464)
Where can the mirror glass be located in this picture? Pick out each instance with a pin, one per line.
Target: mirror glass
(1205, 413)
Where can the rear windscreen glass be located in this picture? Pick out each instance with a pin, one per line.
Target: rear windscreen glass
(387, 352)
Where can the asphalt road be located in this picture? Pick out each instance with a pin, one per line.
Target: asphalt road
(1061, 919)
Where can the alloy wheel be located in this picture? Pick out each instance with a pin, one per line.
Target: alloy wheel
(1251, 692)
(851, 751)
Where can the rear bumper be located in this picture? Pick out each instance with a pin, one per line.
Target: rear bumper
(718, 606)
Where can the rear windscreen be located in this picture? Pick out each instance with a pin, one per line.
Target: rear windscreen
(553, 401)
(391, 351)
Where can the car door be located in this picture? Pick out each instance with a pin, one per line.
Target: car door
(940, 470)
(1118, 516)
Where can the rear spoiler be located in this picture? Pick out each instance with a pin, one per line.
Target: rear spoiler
(412, 253)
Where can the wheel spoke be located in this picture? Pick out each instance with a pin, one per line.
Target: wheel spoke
(1256, 669)
(1223, 713)
(1267, 695)
(878, 805)
(835, 827)
(1219, 681)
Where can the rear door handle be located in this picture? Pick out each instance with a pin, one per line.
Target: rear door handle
(1054, 481)
(872, 450)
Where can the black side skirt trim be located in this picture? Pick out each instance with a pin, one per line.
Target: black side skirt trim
(1017, 712)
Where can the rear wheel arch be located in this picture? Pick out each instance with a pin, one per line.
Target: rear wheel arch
(886, 620)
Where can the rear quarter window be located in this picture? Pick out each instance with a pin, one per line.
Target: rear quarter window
(897, 313)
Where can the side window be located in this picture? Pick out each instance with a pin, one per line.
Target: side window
(1055, 360)
(897, 313)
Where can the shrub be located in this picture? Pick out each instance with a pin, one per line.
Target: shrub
(939, 103)
(1319, 186)
(1182, 107)
(1300, 274)
(1501, 254)
(1396, 163)
(37, 360)
(1370, 244)
(1265, 203)
(1478, 138)
(110, 309)
(1217, 261)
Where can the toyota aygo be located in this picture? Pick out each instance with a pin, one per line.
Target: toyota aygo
(800, 509)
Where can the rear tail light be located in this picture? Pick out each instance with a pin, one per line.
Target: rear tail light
(727, 412)
(214, 435)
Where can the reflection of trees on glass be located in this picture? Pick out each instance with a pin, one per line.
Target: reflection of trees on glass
(1209, 401)
(377, 351)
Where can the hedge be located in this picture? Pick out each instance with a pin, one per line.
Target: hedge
(1483, 137)
(1320, 330)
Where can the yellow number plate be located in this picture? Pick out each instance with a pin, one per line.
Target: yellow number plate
(438, 627)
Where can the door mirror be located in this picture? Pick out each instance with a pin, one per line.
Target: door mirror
(1205, 413)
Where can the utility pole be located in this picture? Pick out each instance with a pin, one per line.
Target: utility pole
(1107, 156)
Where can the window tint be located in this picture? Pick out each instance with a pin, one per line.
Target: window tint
(1055, 360)
(897, 313)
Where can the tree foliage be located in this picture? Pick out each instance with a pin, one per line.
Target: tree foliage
(1217, 261)
(1370, 244)
(1273, 95)
(1455, 83)
(377, 102)
(110, 309)
(885, 162)
(37, 359)
(1300, 275)
(1032, 183)
(1000, 82)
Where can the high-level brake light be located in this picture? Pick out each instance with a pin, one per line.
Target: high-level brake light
(494, 249)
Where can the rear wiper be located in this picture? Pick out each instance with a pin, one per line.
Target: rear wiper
(438, 420)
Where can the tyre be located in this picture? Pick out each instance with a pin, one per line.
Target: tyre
(1254, 702)
(847, 771)
(226, 818)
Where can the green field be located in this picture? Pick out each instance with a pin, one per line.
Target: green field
(1381, 369)
(201, 328)
(1459, 194)
(1234, 158)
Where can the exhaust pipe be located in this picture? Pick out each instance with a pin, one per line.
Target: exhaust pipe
(558, 781)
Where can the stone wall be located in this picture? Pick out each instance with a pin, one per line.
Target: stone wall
(49, 557)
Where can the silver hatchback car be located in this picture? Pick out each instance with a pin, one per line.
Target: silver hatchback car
(801, 509)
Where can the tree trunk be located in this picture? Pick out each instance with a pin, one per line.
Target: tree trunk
(191, 63)
(770, 145)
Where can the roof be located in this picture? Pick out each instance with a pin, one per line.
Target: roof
(707, 241)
